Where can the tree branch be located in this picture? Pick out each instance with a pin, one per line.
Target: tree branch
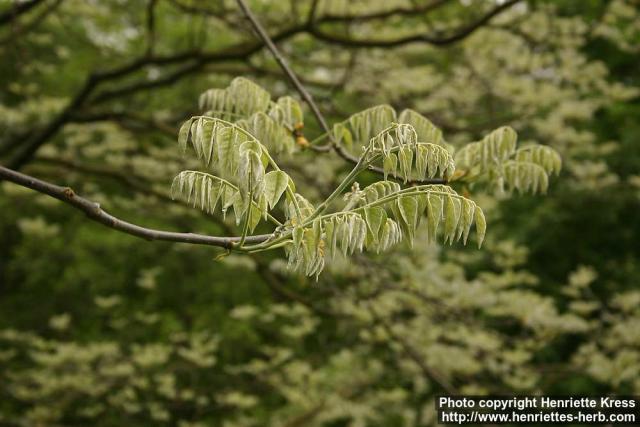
(305, 95)
(28, 148)
(94, 212)
(20, 30)
(274, 281)
(16, 10)
(147, 84)
(402, 11)
(262, 33)
(122, 176)
(25, 149)
(151, 26)
(458, 35)
(312, 12)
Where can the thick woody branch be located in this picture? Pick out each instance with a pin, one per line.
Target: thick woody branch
(94, 212)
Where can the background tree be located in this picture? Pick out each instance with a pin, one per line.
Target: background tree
(100, 327)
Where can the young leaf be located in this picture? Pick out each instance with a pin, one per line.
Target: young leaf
(481, 226)
(203, 191)
(269, 132)
(366, 124)
(275, 184)
(375, 217)
(251, 169)
(408, 208)
(390, 165)
(287, 111)
(434, 214)
(450, 219)
(468, 211)
(405, 156)
(427, 131)
(183, 134)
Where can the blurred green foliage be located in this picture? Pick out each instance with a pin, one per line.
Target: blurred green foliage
(101, 328)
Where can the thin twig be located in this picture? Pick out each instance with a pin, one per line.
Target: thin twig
(151, 26)
(262, 33)
(312, 12)
(283, 63)
(94, 212)
(274, 281)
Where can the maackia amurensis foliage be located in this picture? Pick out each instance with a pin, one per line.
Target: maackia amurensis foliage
(242, 125)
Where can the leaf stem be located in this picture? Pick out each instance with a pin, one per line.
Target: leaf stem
(359, 167)
(289, 191)
(247, 217)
